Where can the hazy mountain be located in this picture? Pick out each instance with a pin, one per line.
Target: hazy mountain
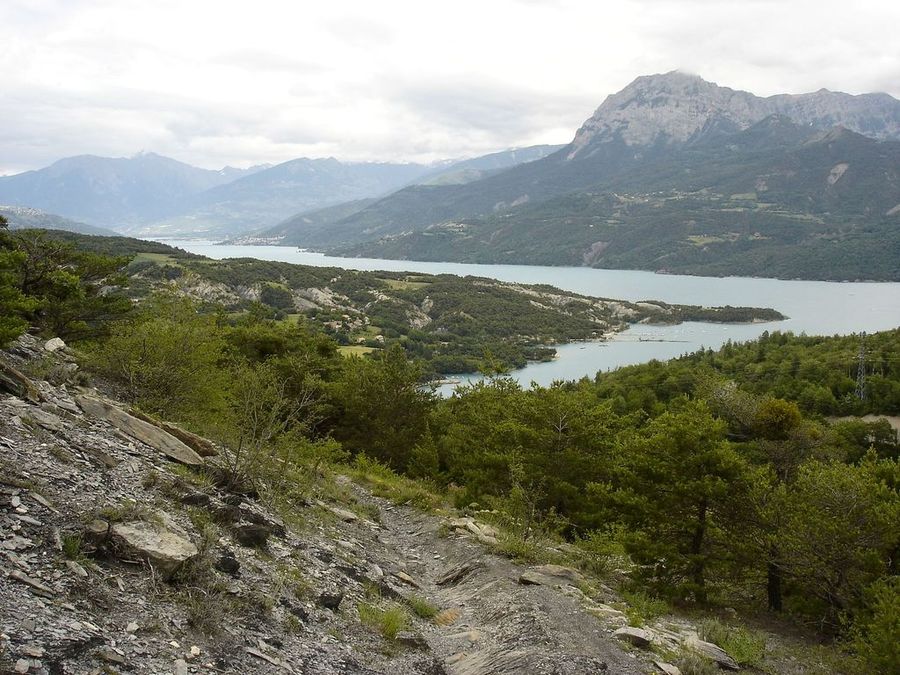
(111, 192)
(469, 170)
(22, 217)
(269, 196)
(315, 224)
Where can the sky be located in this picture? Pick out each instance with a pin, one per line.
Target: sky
(217, 82)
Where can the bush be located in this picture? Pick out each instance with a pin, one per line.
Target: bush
(746, 647)
(876, 632)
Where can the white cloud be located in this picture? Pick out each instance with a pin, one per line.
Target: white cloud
(216, 82)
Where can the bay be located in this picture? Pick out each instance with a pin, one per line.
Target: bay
(812, 307)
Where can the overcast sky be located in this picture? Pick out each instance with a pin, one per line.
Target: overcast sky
(216, 82)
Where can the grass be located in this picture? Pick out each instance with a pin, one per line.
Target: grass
(355, 350)
(641, 609)
(421, 607)
(388, 620)
(71, 546)
(383, 482)
(404, 285)
(746, 647)
(692, 663)
(127, 511)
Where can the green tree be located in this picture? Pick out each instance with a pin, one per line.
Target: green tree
(679, 486)
(14, 304)
(167, 359)
(381, 407)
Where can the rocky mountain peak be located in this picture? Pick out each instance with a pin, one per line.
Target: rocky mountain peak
(676, 107)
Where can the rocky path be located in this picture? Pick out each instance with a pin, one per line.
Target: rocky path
(492, 622)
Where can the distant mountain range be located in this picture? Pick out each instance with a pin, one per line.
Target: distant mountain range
(25, 217)
(673, 173)
(153, 195)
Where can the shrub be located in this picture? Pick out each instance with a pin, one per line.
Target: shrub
(875, 634)
(746, 647)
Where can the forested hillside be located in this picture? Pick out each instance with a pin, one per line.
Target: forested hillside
(708, 483)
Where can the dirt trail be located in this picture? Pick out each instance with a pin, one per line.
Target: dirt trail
(503, 626)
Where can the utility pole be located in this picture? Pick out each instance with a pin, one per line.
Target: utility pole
(861, 369)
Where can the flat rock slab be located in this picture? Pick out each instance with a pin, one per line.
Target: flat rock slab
(202, 446)
(714, 652)
(634, 636)
(162, 548)
(550, 575)
(145, 432)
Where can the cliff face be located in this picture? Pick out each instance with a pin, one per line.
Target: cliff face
(676, 107)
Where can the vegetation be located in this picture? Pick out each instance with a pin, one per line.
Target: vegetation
(715, 479)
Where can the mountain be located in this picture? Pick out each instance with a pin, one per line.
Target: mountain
(310, 225)
(111, 192)
(271, 195)
(469, 170)
(673, 173)
(23, 217)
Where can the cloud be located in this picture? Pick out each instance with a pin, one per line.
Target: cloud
(215, 83)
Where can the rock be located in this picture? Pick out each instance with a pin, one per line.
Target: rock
(713, 652)
(145, 432)
(97, 529)
(111, 655)
(228, 563)
(667, 668)
(153, 542)
(412, 640)
(633, 636)
(132, 627)
(54, 344)
(195, 651)
(76, 569)
(198, 444)
(33, 651)
(32, 583)
(343, 514)
(22, 666)
(14, 382)
(195, 499)
(550, 575)
(331, 600)
(453, 575)
(405, 578)
(180, 667)
(249, 534)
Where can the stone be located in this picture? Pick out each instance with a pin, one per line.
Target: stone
(156, 544)
(14, 382)
(195, 499)
(132, 627)
(33, 651)
(198, 444)
(249, 534)
(228, 563)
(453, 575)
(411, 640)
(110, 655)
(405, 578)
(22, 666)
(550, 575)
(54, 344)
(180, 667)
(713, 652)
(331, 600)
(633, 636)
(667, 668)
(195, 651)
(343, 514)
(143, 431)
(32, 583)
(76, 569)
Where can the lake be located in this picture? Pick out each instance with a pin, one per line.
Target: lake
(813, 307)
